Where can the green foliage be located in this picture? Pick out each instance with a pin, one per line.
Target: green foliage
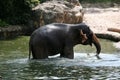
(3, 23)
(32, 3)
(16, 11)
(41, 1)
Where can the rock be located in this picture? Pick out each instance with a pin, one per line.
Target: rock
(75, 2)
(10, 31)
(57, 11)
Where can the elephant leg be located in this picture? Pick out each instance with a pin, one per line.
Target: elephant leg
(68, 52)
(62, 53)
(40, 52)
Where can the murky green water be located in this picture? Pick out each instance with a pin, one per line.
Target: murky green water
(14, 63)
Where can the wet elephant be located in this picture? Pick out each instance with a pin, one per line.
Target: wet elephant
(59, 38)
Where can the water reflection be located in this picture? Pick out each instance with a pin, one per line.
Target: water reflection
(14, 64)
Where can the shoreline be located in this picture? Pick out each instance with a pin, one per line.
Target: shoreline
(100, 19)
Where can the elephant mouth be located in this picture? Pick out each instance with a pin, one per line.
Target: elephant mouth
(87, 41)
(92, 39)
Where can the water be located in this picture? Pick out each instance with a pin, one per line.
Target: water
(14, 63)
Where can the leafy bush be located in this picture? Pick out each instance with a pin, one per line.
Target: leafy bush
(16, 11)
(41, 1)
(32, 3)
(3, 23)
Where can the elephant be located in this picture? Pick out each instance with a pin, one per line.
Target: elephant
(60, 38)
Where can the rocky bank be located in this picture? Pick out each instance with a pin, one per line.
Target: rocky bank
(100, 19)
(57, 11)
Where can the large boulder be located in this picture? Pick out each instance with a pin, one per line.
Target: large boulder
(59, 11)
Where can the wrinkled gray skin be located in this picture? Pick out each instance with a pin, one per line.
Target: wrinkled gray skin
(60, 38)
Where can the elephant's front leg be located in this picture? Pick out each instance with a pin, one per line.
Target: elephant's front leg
(68, 52)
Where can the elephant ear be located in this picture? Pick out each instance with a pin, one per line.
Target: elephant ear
(83, 36)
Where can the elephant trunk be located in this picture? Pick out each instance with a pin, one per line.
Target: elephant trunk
(97, 44)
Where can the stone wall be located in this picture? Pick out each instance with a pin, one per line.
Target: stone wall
(10, 32)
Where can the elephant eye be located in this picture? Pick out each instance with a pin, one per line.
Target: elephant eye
(90, 35)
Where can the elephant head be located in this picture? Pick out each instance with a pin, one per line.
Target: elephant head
(88, 37)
